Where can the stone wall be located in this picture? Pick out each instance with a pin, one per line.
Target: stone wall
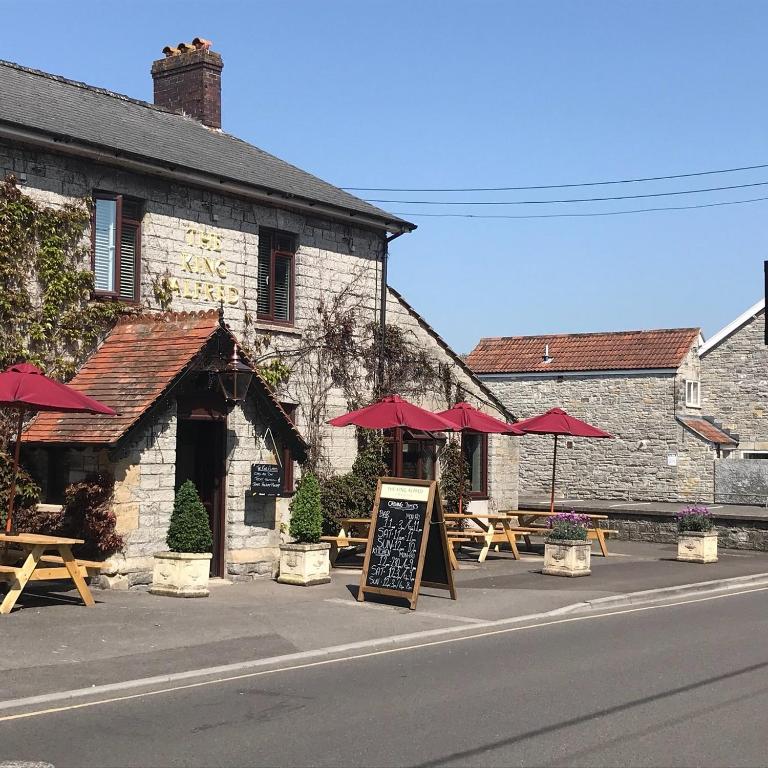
(741, 481)
(638, 409)
(733, 533)
(206, 245)
(734, 384)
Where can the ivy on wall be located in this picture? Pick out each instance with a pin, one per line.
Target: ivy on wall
(47, 312)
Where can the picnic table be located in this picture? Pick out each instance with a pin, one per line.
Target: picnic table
(343, 539)
(21, 558)
(486, 532)
(526, 518)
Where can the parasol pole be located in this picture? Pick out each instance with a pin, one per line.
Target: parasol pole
(12, 490)
(554, 467)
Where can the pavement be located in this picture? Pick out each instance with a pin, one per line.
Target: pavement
(52, 644)
(677, 684)
(642, 508)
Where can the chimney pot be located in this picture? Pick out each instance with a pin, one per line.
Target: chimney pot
(188, 80)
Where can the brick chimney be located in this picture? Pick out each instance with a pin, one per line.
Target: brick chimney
(188, 80)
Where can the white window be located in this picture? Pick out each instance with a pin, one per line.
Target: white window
(692, 394)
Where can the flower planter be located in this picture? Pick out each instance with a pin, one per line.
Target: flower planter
(181, 574)
(567, 557)
(697, 546)
(305, 564)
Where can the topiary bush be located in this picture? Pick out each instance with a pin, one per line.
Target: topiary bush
(189, 530)
(306, 512)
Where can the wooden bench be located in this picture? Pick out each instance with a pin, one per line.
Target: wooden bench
(88, 568)
(593, 534)
(342, 539)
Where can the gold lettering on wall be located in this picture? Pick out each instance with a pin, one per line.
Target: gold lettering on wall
(204, 265)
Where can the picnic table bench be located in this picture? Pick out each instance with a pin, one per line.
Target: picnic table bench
(23, 554)
(342, 539)
(526, 516)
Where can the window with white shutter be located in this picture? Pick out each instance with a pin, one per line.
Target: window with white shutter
(275, 276)
(116, 246)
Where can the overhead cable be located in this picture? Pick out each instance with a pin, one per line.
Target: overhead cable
(556, 186)
(572, 199)
(576, 215)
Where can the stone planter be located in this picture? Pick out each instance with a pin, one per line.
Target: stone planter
(181, 574)
(697, 546)
(567, 557)
(305, 564)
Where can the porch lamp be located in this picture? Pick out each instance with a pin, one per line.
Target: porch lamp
(234, 379)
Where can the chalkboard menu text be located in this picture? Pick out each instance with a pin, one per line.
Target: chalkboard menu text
(406, 528)
(266, 479)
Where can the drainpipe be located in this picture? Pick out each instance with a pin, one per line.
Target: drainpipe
(383, 312)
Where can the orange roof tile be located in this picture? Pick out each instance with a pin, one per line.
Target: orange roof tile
(708, 430)
(132, 368)
(619, 350)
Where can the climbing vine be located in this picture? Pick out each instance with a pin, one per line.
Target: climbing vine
(46, 311)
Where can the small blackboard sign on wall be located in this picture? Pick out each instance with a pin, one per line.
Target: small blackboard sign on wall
(266, 479)
(407, 545)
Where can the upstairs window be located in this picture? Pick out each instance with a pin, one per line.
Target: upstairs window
(275, 275)
(692, 394)
(116, 243)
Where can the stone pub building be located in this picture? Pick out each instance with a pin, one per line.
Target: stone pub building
(212, 241)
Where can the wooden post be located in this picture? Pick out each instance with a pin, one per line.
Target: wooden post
(12, 489)
(554, 467)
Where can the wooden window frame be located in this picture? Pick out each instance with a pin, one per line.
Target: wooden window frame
(119, 221)
(274, 254)
(396, 439)
(482, 494)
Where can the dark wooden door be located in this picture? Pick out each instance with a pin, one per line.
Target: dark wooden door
(200, 451)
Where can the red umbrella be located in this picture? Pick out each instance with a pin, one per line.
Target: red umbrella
(557, 422)
(467, 418)
(24, 388)
(392, 411)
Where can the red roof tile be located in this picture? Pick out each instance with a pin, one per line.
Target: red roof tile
(619, 350)
(132, 368)
(707, 430)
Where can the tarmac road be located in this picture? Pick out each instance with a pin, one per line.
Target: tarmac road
(684, 684)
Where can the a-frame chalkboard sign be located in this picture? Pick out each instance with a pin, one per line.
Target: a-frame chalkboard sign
(407, 545)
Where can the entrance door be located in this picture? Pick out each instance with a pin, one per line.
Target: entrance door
(200, 450)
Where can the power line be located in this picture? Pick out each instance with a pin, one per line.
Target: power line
(555, 186)
(572, 199)
(577, 215)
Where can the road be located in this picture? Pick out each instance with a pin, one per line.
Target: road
(675, 685)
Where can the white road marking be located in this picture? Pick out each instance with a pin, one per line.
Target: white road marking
(371, 654)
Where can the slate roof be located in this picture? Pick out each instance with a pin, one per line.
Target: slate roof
(65, 108)
(139, 361)
(619, 350)
(708, 430)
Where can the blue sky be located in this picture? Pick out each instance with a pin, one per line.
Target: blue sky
(475, 94)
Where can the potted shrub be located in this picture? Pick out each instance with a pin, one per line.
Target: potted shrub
(183, 572)
(306, 561)
(696, 535)
(566, 550)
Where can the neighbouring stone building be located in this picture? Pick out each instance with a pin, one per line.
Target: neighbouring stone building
(188, 216)
(643, 387)
(734, 383)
